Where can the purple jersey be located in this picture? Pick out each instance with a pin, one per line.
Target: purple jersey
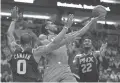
(24, 66)
(88, 71)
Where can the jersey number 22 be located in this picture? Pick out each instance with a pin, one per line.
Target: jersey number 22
(21, 63)
(86, 67)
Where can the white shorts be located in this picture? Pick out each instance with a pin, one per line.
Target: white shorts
(58, 73)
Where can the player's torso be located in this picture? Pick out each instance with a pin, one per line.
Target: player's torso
(87, 64)
(23, 64)
(58, 56)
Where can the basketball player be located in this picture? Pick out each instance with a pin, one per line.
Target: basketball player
(23, 64)
(57, 69)
(87, 62)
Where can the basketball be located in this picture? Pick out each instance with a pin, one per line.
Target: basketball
(99, 10)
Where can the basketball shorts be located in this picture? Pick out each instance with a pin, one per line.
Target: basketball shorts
(58, 73)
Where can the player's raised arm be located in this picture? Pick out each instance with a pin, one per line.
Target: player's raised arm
(103, 49)
(10, 36)
(101, 53)
(56, 41)
(72, 36)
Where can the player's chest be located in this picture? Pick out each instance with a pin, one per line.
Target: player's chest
(87, 60)
(61, 51)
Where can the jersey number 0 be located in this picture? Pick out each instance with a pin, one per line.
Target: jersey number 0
(21, 63)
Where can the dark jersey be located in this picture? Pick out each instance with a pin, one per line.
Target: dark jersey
(24, 66)
(88, 71)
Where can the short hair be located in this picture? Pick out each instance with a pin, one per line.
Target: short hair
(25, 39)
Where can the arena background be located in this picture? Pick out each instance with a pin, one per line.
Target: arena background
(36, 14)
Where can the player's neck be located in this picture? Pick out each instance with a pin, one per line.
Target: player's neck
(87, 51)
(26, 46)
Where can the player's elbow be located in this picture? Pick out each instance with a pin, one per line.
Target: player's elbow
(8, 33)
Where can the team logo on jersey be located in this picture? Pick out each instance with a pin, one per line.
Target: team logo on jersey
(88, 59)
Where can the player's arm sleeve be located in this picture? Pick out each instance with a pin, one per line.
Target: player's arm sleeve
(71, 37)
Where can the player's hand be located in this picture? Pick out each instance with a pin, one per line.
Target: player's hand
(14, 13)
(69, 22)
(103, 47)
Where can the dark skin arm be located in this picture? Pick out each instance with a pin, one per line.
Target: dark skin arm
(71, 37)
(101, 53)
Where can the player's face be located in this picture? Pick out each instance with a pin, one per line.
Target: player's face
(87, 43)
(51, 27)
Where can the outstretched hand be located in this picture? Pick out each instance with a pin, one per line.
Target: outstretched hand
(103, 47)
(69, 21)
(14, 13)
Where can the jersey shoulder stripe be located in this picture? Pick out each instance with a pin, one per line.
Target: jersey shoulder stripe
(79, 55)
